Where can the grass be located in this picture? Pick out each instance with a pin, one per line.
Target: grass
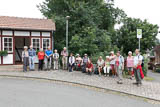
(148, 78)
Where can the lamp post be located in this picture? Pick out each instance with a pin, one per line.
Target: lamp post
(67, 18)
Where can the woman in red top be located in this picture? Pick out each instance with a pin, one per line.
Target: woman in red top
(41, 55)
(89, 67)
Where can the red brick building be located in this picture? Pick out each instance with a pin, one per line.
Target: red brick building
(15, 33)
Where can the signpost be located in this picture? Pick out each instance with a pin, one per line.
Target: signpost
(139, 36)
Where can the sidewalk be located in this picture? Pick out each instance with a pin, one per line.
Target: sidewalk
(149, 90)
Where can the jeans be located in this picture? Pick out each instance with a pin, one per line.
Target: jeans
(25, 64)
(31, 62)
(48, 62)
(137, 76)
(71, 67)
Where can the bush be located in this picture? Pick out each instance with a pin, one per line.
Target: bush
(145, 67)
(3, 53)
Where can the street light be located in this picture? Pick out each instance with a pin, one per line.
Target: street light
(67, 18)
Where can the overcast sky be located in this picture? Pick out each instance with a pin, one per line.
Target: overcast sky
(143, 9)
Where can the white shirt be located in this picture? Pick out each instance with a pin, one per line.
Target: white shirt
(112, 59)
(71, 59)
(137, 58)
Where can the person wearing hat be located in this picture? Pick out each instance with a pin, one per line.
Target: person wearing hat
(119, 67)
(130, 64)
(64, 55)
(25, 58)
(100, 64)
(112, 63)
(84, 62)
(107, 66)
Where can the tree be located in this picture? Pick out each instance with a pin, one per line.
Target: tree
(127, 35)
(91, 23)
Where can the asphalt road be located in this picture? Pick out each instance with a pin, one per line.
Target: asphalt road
(154, 75)
(34, 93)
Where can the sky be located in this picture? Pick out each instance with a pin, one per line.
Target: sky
(143, 9)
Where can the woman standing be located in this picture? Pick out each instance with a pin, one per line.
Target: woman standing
(41, 59)
(119, 67)
(130, 64)
(25, 58)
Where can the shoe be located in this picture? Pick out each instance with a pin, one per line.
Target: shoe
(135, 83)
(119, 82)
(138, 85)
(105, 75)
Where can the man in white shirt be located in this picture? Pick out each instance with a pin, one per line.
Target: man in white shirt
(137, 62)
(71, 62)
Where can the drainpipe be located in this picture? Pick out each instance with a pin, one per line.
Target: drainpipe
(52, 40)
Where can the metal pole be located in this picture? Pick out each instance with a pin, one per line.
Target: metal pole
(67, 34)
(139, 44)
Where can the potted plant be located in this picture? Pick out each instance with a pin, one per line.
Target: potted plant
(3, 53)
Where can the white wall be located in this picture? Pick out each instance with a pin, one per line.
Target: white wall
(8, 59)
(21, 33)
(47, 34)
(35, 33)
(7, 32)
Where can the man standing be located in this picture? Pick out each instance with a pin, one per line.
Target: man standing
(55, 59)
(137, 68)
(32, 54)
(71, 62)
(64, 54)
(48, 59)
(119, 67)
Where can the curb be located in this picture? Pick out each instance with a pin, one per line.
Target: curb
(81, 84)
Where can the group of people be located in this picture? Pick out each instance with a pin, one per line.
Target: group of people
(113, 64)
(46, 57)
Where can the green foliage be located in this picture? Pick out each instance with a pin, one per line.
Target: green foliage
(126, 36)
(146, 61)
(90, 24)
(3, 53)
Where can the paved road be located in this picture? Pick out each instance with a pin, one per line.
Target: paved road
(154, 75)
(32, 93)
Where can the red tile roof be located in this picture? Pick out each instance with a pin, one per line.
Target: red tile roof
(7, 22)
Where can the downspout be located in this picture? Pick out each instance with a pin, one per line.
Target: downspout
(52, 40)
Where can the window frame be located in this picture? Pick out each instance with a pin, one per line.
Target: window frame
(49, 43)
(11, 42)
(32, 43)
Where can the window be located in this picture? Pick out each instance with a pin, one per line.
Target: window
(36, 43)
(8, 44)
(46, 43)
